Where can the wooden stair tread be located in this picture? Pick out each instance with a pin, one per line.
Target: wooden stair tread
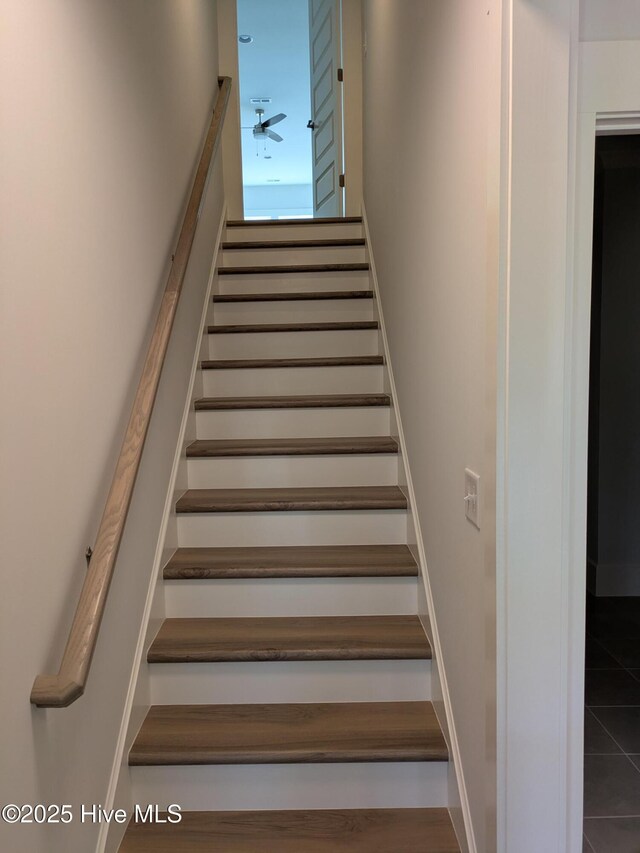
(291, 446)
(289, 733)
(269, 223)
(293, 296)
(292, 499)
(189, 640)
(296, 401)
(295, 244)
(253, 363)
(214, 640)
(297, 561)
(273, 269)
(354, 325)
(310, 831)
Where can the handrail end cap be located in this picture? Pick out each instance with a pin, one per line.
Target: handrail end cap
(54, 691)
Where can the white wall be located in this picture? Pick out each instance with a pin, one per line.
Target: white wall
(540, 626)
(231, 135)
(278, 200)
(352, 57)
(553, 88)
(609, 20)
(105, 105)
(431, 143)
(543, 315)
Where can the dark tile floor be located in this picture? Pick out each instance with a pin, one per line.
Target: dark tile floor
(612, 726)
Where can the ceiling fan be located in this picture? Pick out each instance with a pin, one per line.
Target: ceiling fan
(261, 130)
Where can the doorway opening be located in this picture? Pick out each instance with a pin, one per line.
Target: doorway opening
(612, 678)
(289, 59)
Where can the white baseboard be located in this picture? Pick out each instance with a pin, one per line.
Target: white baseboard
(460, 811)
(110, 835)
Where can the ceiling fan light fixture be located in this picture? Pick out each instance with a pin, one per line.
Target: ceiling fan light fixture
(245, 38)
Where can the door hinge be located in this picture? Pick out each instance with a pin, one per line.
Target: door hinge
(340, 75)
(341, 182)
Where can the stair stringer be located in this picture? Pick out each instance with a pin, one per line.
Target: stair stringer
(119, 792)
(458, 799)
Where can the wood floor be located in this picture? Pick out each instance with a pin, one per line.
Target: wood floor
(240, 245)
(292, 268)
(292, 499)
(288, 733)
(336, 831)
(292, 446)
(293, 296)
(300, 561)
(306, 224)
(269, 328)
(298, 401)
(290, 638)
(264, 363)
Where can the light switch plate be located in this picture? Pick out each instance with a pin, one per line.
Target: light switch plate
(472, 496)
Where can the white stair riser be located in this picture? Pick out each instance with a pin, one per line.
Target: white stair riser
(328, 231)
(294, 344)
(293, 311)
(363, 785)
(375, 469)
(293, 423)
(268, 381)
(291, 597)
(228, 529)
(293, 282)
(290, 681)
(289, 256)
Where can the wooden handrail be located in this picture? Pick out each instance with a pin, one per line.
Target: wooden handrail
(59, 691)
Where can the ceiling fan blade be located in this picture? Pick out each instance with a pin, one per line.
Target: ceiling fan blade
(274, 120)
(275, 136)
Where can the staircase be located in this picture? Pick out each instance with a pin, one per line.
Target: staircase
(290, 680)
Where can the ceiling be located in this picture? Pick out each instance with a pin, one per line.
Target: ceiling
(276, 65)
